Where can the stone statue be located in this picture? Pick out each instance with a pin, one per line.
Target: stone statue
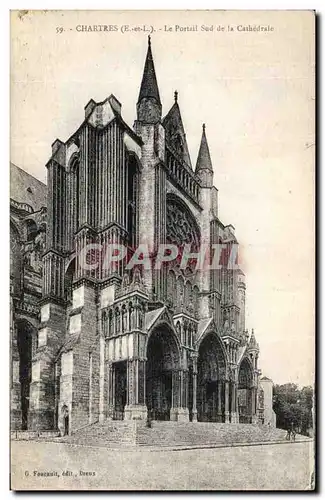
(125, 280)
(124, 320)
(136, 278)
(132, 317)
(40, 242)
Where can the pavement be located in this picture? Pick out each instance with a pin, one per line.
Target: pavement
(61, 466)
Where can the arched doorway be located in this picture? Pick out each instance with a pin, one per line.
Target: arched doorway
(210, 380)
(245, 393)
(120, 389)
(162, 373)
(26, 344)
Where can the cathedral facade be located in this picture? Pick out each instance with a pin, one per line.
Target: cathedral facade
(92, 342)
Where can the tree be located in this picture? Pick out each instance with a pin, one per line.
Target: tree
(293, 406)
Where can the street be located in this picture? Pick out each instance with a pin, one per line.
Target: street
(40, 465)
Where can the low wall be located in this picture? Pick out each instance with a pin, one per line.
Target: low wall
(27, 435)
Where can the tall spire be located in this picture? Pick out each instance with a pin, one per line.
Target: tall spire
(149, 86)
(203, 159)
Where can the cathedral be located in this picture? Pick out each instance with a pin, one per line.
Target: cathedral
(90, 342)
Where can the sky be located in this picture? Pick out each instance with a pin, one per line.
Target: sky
(254, 90)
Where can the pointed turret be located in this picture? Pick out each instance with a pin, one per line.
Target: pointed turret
(203, 167)
(253, 345)
(149, 105)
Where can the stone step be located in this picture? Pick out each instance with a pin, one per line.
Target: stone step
(169, 434)
(109, 432)
(201, 433)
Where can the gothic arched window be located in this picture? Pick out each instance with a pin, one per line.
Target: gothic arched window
(195, 299)
(188, 293)
(31, 230)
(171, 287)
(110, 323)
(245, 376)
(75, 191)
(104, 324)
(180, 290)
(132, 201)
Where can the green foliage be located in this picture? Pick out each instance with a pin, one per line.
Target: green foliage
(293, 406)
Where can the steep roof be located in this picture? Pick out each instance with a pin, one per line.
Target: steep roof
(204, 158)
(149, 86)
(24, 188)
(174, 129)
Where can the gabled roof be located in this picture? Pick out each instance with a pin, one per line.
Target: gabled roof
(152, 316)
(241, 352)
(174, 129)
(149, 86)
(161, 314)
(24, 188)
(202, 327)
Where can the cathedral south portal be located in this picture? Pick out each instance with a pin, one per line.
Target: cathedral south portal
(91, 342)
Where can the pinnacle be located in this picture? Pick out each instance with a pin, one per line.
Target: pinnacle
(204, 159)
(149, 86)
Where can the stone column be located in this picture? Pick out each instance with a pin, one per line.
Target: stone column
(234, 410)
(236, 400)
(227, 401)
(219, 401)
(141, 382)
(254, 396)
(101, 378)
(15, 393)
(110, 391)
(237, 403)
(175, 395)
(183, 413)
(135, 408)
(194, 409)
(113, 384)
